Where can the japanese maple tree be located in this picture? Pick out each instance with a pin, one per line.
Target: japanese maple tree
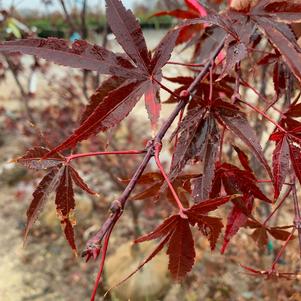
(214, 114)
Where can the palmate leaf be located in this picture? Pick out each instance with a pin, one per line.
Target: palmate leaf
(119, 102)
(271, 18)
(235, 180)
(210, 226)
(203, 90)
(180, 245)
(60, 180)
(176, 233)
(261, 233)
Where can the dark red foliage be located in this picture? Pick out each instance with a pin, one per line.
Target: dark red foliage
(215, 115)
(60, 179)
(180, 241)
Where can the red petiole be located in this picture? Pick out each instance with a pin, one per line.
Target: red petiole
(94, 154)
(158, 147)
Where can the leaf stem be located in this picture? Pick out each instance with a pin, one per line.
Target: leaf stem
(262, 97)
(158, 147)
(94, 154)
(166, 89)
(265, 116)
(288, 191)
(280, 253)
(185, 64)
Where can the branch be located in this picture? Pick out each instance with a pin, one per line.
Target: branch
(118, 205)
(24, 94)
(67, 16)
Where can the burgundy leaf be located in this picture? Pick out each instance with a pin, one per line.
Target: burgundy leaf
(295, 154)
(280, 10)
(260, 237)
(128, 33)
(65, 205)
(212, 228)
(79, 181)
(279, 234)
(81, 55)
(102, 91)
(203, 184)
(181, 250)
(168, 226)
(237, 122)
(177, 13)
(243, 158)
(279, 79)
(193, 136)
(163, 52)
(32, 159)
(209, 205)
(236, 52)
(48, 184)
(67, 225)
(287, 47)
(237, 218)
(236, 180)
(280, 164)
(113, 109)
(152, 104)
(150, 192)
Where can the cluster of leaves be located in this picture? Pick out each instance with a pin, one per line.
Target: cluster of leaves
(215, 108)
